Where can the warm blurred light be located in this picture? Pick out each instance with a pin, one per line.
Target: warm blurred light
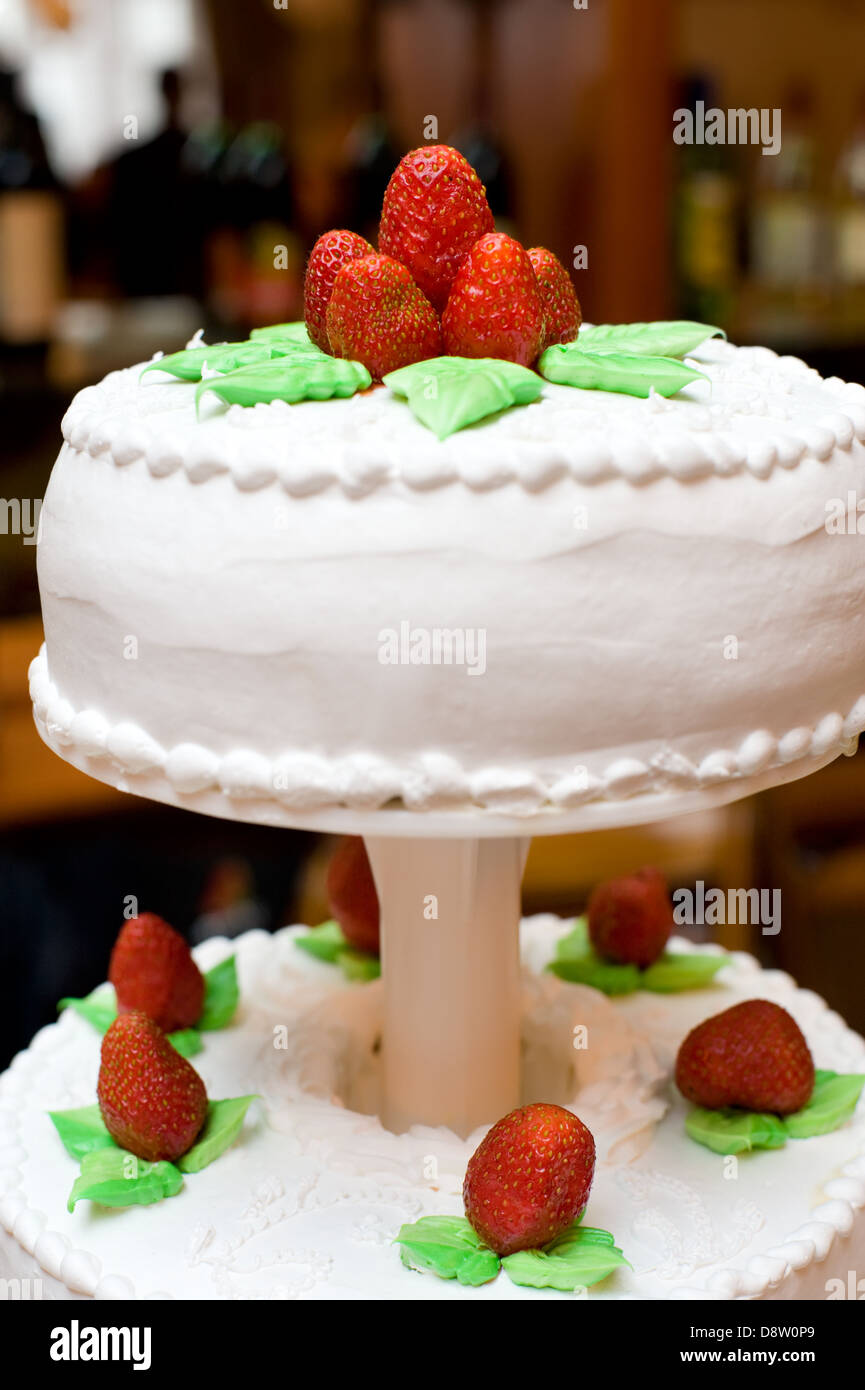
(85, 80)
(57, 13)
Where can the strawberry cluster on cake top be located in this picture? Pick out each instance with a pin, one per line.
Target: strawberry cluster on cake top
(459, 321)
(443, 280)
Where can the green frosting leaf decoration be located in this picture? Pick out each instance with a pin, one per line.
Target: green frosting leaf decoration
(449, 1247)
(221, 993)
(735, 1131)
(99, 1007)
(832, 1102)
(678, 971)
(579, 1257)
(664, 338)
(114, 1178)
(603, 975)
(577, 962)
(448, 393)
(82, 1131)
(631, 374)
(326, 942)
(188, 364)
(295, 332)
(300, 375)
(186, 1041)
(221, 1127)
(358, 965)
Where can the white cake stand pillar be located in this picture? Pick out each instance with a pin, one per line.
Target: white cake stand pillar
(450, 912)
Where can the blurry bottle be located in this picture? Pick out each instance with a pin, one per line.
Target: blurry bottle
(787, 224)
(371, 153)
(32, 253)
(478, 141)
(256, 258)
(848, 222)
(146, 178)
(706, 232)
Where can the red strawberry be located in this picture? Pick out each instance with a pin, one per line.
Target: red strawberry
(378, 316)
(327, 257)
(352, 896)
(530, 1178)
(434, 210)
(753, 1055)
(152, 1101)
(630, 919)
(152, 970)
(562, 313)
(494, 308)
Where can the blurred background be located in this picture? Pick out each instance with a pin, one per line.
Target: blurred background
(166, 165)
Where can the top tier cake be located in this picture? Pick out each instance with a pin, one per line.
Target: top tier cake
(252, 611)
(613, 587)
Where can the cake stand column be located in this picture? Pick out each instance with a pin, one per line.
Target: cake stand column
(450, 912)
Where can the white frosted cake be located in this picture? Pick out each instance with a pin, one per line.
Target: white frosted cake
(307, 1202)
(592, 604)
(443, 562)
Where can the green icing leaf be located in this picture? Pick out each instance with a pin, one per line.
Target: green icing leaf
(114, 1178)
(448, 393)
(358, 965)
(221, 993)
(675, 972)
(731, 1131)
(217, 357)
(99, 1007)
(832, 1102)
(186, 1041)
(326, 942)
(100, 1010)
(575, 944)
(632, 374)
(603, 975)
(578, 1258)
(221, 1128)
(449, 1247)
(284, 333)
(82, 1131)
(735, 1131)
(577, 962)
(664, 338)
(300, 375)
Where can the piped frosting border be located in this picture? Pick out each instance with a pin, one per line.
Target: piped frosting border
(357, 457)
(304, 781)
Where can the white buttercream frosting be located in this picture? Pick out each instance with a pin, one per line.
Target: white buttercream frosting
(664, 611)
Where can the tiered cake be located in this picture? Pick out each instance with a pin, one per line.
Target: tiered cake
(437, 565)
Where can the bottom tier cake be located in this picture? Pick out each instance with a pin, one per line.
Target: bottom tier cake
(308, 1200)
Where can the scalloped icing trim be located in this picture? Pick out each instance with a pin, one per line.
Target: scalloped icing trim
(97, 424)
(837, 1199)
(306, 781)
